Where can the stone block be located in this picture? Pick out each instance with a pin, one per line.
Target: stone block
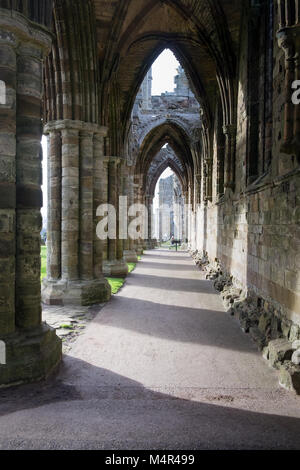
(280, 350)
(296, 357)
(75, 292)
(30, 355)
(7, 145)
(265, 322)
(258, 337)
(296, 344)
(294, 333)
(289, 377)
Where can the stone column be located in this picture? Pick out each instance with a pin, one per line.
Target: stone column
(8, 73)
(29, 180)
(80, 278)
(129, 253)
(100, 184)
(70, 204)
(86, 215)
(120, 211)
(32, 348)
(149, 205)
(104, 200)
(54, 206)
(230, 136)
(115, 264)
(208, 168)
(140, 243)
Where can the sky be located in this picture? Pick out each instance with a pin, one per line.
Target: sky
(164, 70)
(44, 187)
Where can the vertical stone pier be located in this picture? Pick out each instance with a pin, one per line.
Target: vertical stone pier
(149, 205)
(75, 275)
(138, 199)
(129, 253)
(32, 348)
(115, 264)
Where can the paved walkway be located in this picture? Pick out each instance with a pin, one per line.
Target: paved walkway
(161, 367)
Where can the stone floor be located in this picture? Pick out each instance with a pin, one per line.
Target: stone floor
(69, 322)
(161, 366)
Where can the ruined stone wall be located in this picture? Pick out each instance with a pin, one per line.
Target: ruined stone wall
(254, 232)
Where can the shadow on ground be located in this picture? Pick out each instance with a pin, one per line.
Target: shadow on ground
(99, 409)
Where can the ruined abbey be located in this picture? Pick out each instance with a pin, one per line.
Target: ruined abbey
(79, 72)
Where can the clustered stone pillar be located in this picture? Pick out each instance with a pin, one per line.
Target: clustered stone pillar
(70, 205)
(54, 206)
(115, 265)
(32, 348)
(149, 205)
(208, 167)
(100, 185)
(130, 255)
(230, 142)
(136, 188)
(8, 72)
(75, 273)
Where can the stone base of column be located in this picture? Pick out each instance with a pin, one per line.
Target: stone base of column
(115, 268)
(76, 292)
(30, 356)
(130, 256)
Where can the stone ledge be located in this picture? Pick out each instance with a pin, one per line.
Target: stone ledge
(30, 355)
(130, 256)
(76, 125)
(26, 29)
(115, 268)
(83, 293)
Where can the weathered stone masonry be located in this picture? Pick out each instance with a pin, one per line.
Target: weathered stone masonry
(236, 155)
(75, 253)
(32, 348)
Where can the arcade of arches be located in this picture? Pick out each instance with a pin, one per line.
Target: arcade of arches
(74, 70)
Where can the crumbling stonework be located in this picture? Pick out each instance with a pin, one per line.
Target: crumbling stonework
(233, 128)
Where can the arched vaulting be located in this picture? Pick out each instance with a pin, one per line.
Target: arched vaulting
(73, 70)
(167, 133)
(152, 178)
(202, 34)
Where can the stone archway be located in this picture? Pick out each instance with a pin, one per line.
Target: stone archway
(95, 55)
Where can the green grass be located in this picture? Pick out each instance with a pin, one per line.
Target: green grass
(115, 283)
(43, 262)
(131, 267)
